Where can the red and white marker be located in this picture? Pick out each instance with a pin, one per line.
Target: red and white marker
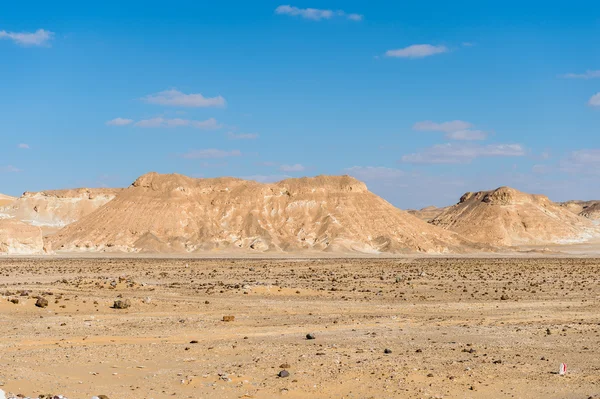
(562, 369)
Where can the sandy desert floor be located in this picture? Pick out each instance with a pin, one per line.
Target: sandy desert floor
(456, 328)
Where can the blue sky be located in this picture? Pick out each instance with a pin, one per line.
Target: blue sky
(423, 102)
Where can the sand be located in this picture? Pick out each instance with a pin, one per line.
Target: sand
(450, 333)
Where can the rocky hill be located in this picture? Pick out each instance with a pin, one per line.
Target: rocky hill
(175, 213)
(52, 210)
(18, 238)
(506, 216)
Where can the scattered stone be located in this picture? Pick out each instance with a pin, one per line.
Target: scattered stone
(387, 351)
(41, 302)
(228, 318)
(122, 304)
(504, 297)
(310, 336)
(283, 374)
(284, 366)
(193, 341)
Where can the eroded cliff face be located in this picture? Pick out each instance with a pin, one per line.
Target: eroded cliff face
(175, 213)
(18, 238)
(53, 210)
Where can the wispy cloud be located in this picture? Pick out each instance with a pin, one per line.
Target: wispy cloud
(453, 153)
(119, 122)
(10, 169)
(176, 98)
(586, 161)
(417, 51)
(292, 168)
(595, 100)
(211, 153)
(23, 146)
(586, 75)
(209, 124)
(455, 130)
(40, 37)
(242, 136)
(316, 14)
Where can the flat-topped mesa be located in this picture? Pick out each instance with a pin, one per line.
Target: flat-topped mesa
(74, 193)
(175, 213)
(507, 216)
(503, 196)
(177, 182)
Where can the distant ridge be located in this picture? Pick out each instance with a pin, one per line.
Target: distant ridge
(506, 216)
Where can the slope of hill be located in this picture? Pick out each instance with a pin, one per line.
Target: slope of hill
(18, 238)
(175, 213)
(5, 200)
(55, 209)
(506, 216)
(587, 209)
(426, 214)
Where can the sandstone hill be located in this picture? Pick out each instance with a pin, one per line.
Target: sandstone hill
(18, 238)
(427, 214)
(175, 213)
(5, 200)
(52, 210)
(587, 209)
(506, 216)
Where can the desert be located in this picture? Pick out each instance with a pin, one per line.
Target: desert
(306, 200)
(382, 328)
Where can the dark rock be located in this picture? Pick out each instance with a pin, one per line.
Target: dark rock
(283, 374)
(121, 304)
(310, 336)
(387, 351)
(41, 302)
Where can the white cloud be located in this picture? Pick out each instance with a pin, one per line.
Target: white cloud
(23, 146)
(462, 153)
(211, 153)
(10, 169)
(586, 75)
(40, 37)
(595, 100)
(585, 161)
(374, 172)
(417, 51)
(455, 130)
(292, 168)
(160, 122)
(119, 122)
(467, 135)
(316, 14)
(178, 99)
(446, 127)
(242, 136)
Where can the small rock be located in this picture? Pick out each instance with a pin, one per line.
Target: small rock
(284, 366)
(283, 374)
(310, 336)
(121, 304)
(504, 297)
(193, 341)
(228, 318)
(41, 302)
(387, 351)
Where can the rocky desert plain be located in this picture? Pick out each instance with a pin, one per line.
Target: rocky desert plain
(177, 287)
